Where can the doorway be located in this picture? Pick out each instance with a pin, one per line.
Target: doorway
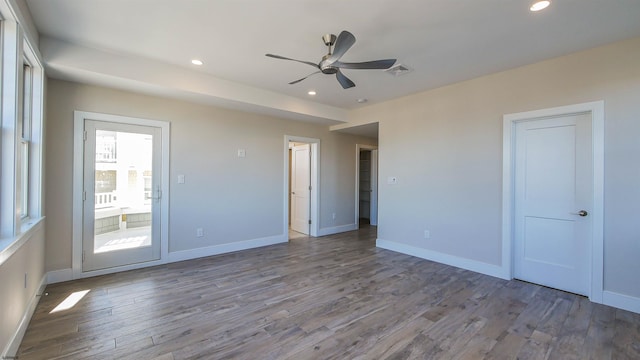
(120, 171)
(300, 194)
(301, 186)
(366, 185)
(552, 193)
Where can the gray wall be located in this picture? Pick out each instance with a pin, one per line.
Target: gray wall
(233, 199)
(445, 147)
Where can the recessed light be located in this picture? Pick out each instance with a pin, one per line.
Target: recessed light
(196, 62)
(311, 92)
(540, 5)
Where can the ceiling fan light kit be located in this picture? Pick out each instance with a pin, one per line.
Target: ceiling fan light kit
(331, 64)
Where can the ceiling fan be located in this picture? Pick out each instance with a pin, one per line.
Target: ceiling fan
(331, 64)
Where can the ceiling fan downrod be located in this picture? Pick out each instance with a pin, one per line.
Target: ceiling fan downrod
(329, 40)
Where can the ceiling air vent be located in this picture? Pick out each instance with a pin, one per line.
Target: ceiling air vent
(398, 70)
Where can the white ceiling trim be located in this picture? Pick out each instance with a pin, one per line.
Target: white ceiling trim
(77, 63)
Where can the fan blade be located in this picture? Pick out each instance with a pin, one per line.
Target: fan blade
(286, 58)
(376, 64)
(297, 81)
(344, 81)
(343, 43)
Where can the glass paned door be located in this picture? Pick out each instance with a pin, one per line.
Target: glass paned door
(122, 195)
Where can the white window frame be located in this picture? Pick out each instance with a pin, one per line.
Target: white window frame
(16, 224)
(24, 139)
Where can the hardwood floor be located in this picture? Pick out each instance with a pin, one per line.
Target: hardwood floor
(336, 297)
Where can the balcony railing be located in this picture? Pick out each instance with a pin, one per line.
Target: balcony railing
(106, 151)
(104, 200)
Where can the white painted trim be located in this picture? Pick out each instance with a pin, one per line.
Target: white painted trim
(358, 148)
(621, 301)
(78, 155)
(315, 183)
(337, 229)
(596, 109)
(15, 243)
(11, 68)
(58, 276)
(463, 263)
(117, 269)
(190, 254)
(11, 349)
(61, 275)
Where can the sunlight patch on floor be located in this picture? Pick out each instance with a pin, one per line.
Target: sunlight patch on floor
(70, 301)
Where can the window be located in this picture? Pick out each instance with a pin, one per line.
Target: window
(24, 127)
(21, 110)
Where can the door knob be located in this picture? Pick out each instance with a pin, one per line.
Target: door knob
(581, 213)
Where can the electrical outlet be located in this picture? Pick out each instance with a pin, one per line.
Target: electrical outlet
(427, 234)
(333, 216)
(199, 232)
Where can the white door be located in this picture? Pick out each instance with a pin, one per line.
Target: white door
(121, 208)
(300, 187)
(374, 188)
(553, 198)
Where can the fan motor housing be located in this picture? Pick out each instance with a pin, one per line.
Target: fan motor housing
(327, 68)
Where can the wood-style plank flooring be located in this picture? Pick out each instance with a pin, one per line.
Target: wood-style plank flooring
(335, 297)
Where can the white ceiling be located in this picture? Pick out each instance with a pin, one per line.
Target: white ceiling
(147, 45)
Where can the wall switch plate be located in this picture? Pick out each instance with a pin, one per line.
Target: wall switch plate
(242, 153)
(180, 179)
(199, 232)
(392, 180)
(427, 234)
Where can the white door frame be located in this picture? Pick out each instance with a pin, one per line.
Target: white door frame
(298, 167)
(315, 183)
(78, 164)
(360, 147)
(596, 109)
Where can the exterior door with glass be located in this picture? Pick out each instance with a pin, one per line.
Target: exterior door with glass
(121, 194)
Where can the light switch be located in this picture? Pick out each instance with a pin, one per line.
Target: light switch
(242, 153)
(180, 179)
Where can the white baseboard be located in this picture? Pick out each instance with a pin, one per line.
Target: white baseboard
(226, 248)
(467, 264)
(337, 229)
(621, 301)
(57, 276)
(12, 347)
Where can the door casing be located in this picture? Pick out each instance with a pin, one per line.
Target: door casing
(78, 169)
(596, 112)
(300, 170)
